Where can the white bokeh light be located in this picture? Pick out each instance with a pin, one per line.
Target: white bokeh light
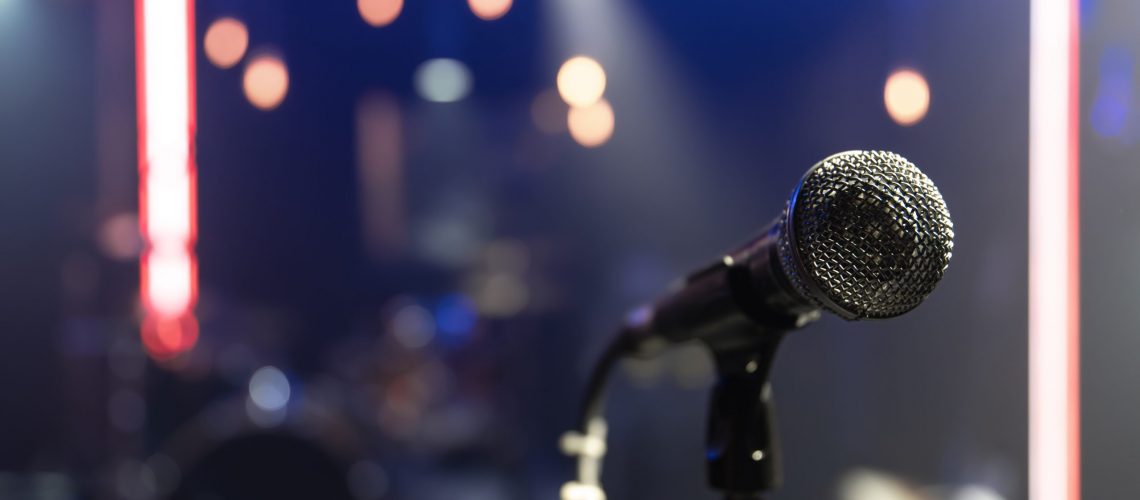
(977, 492)
(413, 326)
(443, 80)
(269, 389)
(581, 81)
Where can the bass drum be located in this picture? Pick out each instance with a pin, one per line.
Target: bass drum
(269, 465)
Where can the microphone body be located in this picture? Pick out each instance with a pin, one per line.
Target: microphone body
(865, 234)
(744, 289)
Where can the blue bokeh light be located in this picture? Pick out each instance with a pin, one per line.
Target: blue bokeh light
(455, 318)
(1110, 109)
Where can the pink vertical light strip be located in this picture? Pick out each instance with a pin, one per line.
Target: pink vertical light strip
(1054, 278)
(379, 153)
(164, 31)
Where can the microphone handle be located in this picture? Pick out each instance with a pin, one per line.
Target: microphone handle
(743, 289)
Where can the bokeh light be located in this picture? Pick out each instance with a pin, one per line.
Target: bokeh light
(581, 81)
(269, 389)
(1110, 110)
(593, 125)
(977, 492)
(443, 80)
(166, 338)
(455, 316)
(907, 97)
(692, 365)
(580, 491)
(644, 372)
(379, 12)
(863, 484)
(506, 255)
(490, 10)
(1109, 114)
(548, 112)
(119, 237)
(266, 82)
(499, 294)
(412, 326)
(454, 231)
(225, 42)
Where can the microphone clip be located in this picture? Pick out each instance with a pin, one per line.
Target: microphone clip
(742, 447)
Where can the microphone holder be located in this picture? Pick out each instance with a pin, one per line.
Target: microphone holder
(743, 452)
(742, 447)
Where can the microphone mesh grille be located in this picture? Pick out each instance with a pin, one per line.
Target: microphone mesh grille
(868, 236)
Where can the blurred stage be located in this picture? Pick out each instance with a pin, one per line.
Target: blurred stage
(370, 250)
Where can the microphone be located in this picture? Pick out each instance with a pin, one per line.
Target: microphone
(865, 234)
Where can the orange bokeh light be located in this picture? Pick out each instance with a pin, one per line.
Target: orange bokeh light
(225, 42)
(266, 82)
(906, 96)
(593, 125)
(379, 12)
(490, 10)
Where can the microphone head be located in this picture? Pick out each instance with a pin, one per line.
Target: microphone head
(865, 235)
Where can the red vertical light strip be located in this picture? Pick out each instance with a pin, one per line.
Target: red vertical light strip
(1054, 251)
(1074, 264)
(164, 31)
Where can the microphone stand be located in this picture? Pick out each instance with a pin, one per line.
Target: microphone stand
(742, 447)
(743, 455)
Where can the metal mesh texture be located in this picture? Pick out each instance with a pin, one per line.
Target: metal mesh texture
(869, 235)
